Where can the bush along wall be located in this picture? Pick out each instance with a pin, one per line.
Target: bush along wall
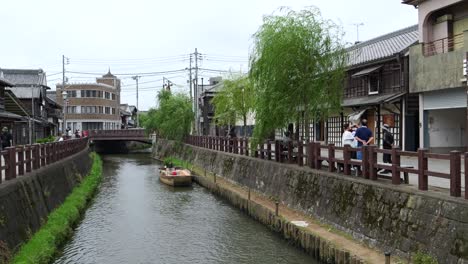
(45, 243)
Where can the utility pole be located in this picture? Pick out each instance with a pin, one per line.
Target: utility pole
(65, 60)
(357, 30)
(136, 77)
(196, 93)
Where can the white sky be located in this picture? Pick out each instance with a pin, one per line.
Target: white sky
(153, 35)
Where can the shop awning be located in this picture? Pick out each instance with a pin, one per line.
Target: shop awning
(371, 100)
(356, 116)
(366, 71)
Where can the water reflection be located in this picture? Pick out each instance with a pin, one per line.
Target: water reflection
(136, 219)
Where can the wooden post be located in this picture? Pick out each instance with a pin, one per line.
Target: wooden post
(234, 144)
(43, 154)
(466, 175)
(372, 162)
(241, 146)
(35, 156)
(365, 161)
(277, 151)
(310, 155)
(422, 167)
(346, 160)
(455, 173)
(300, 153)
(246, 146)
(256, 151)
(268, 149)
(21, 161)
(317, 161)
(262, 150)
(280, 151)
(331, 157)
(290, 150)
(10, 161)
(395, 164)
(28, 158)
(276, 208)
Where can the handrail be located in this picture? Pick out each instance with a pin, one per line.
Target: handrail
(310, 154)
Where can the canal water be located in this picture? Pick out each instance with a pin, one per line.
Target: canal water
(136, 219)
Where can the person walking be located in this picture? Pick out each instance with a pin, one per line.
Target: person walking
(388, 141)
(363, 136)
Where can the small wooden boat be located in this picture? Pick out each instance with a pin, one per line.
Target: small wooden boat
(175, 177)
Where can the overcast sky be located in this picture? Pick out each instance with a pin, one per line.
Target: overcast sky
(141, 36)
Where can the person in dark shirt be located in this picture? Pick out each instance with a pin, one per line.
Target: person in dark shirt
(388, 141)
(6, 138)
(363, 136)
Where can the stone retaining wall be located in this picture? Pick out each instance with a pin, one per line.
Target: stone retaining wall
(400, 219)
(26, 201)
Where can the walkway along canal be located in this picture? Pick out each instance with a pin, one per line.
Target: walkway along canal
(136, 219)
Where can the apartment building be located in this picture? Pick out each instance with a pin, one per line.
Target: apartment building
(92, 106)
(437, 75)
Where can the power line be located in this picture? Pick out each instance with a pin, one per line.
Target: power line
(132, 74)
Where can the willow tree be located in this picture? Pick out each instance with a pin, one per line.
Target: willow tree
(173, 118)
(297, 67)
(234, 101)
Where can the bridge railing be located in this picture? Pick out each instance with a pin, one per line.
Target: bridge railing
(117, 133)
(18, 160)
(343, 159)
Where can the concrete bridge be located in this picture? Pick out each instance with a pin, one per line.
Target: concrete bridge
(118, 141)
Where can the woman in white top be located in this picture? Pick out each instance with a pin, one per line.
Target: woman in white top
(348, 137)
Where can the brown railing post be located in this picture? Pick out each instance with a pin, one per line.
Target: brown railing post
(372, 162)
(277, 150)
(317, 161)
(346, 160)
(422, 168)
(21, 160)
(255, 150)
(28, 158)
(310, 155)
(10, 162)
(395, 165)
(246, 146)
(280, 151)
(35, 156)
(262, 151)
(466, 175)
(331, 157)
(43, 154)
(241, 146)
(455, 173)
(300, 153)
(365, 161)
(234, 144)
(290, 151)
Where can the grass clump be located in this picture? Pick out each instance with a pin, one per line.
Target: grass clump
(176, 162)
(45, 243)
(423, 258)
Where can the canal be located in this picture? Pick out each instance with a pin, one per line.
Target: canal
(136, 219)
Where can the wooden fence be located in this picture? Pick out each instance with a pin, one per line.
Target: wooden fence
(312, 155)
(18, 160)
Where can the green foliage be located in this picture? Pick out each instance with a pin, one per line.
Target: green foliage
(45, 243)
(235, 101)
(297, 68)
(176, 162)
(423, 258)
(173, 118)
(46, 140)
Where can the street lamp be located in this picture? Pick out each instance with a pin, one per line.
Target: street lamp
(65, 103)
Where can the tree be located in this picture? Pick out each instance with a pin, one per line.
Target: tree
(297, 68)
(172, 120)
(234, 101)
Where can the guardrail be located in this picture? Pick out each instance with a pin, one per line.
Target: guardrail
(18, 160)
(311, 154)
(117, 133)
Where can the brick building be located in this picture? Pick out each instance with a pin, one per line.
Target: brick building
(92, 105)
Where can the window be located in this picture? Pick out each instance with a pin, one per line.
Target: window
(107, 110)
(113, 111)
(107, 95)
(71, 110)
(71, 94)
(373, 82)
(113, 96)
(100, 109)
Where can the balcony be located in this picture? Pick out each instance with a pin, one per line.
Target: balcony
(443, 45)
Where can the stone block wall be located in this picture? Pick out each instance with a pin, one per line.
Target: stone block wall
(400, 219)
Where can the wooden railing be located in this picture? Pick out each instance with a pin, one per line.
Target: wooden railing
(18, 160)
(312, 155)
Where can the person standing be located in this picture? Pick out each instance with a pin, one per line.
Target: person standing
(347, 137)
(363, 136)
(6, 138)
(388, 141)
